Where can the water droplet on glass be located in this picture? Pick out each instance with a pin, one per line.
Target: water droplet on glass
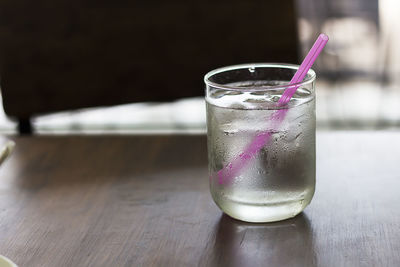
(275, 98)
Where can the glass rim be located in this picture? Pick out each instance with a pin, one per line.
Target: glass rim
(305, 81)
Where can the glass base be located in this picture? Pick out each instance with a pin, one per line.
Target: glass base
(270, 212)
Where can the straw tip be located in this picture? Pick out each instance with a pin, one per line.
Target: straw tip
(324, 37)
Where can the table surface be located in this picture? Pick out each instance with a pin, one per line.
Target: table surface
(144, 201)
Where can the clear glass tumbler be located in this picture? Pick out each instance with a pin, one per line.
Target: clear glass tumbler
(261, 154)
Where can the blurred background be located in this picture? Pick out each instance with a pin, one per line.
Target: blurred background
(95, 67)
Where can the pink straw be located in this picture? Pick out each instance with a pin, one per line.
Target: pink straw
(232, 169)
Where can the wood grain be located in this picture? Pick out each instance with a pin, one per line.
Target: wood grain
(144, 201)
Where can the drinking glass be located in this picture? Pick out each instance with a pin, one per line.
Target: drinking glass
(261, 154)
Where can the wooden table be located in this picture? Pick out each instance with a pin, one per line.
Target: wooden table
(144, 201)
